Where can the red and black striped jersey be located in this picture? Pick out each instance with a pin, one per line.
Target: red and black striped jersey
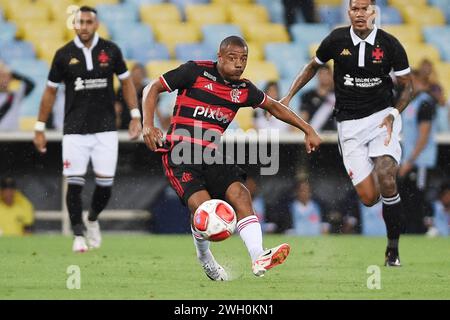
(206, 103)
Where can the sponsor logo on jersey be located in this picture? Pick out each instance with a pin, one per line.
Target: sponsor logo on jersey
(361, 82)
(235, 95)
(209, 113)
(346, 52)
(74, 61)
(90, 84)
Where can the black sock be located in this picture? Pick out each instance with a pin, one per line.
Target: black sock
(75, 208)
(99, 201)
(392, 214)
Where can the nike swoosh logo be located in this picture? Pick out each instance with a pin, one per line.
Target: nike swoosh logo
(270, 252)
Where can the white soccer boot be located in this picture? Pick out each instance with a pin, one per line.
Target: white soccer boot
(214, 271)
(79, 244)
(270, 258)
(93, 234)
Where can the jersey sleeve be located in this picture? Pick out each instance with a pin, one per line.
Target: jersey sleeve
(56, 73)
(324, 53)
(426, 112)
(120, 67)
(400, 62)
(255, 96)
(180, 78)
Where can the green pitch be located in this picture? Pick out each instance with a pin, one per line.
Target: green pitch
(165, 267)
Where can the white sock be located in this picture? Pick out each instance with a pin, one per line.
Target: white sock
(250, 231)
(202, 247)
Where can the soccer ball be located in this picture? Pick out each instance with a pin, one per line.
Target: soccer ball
(215, 220)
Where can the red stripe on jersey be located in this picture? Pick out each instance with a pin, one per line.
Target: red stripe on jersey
(175, 137)
(164, 84)
(205, 63)
(196, 123)
(173, 181)
(222, 91)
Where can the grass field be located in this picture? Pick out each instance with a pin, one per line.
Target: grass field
(165, 267)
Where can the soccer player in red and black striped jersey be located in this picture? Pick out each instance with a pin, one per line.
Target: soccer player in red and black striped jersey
(209, 96)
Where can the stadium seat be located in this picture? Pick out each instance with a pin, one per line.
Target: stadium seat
(36, 32)
(228, 2)
(94, 3)
(418, 52)
(201, 14)
(214, 34)
(132, 32)
(146, 53)
(404, 32)
(403, 3)
(255, 51)
(390, 15)
(331, 15)
(309, 33)
(157, 68)
(19, 11)
(261, 71)
(144, 2)
(117, 13)
(265, 32)
(154, 14)
(26, 123)
(17, 50)
(182, 4)
(288, 58)
(426, 16)
(195, 51)
(173, 34)
(7, 32)
(36, 69)
(244, 118)
(248, 14)
(46, 49)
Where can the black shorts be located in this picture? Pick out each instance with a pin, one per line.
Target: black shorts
(186, 179)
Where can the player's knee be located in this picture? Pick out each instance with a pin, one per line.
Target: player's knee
(238, 193)
(369, 199)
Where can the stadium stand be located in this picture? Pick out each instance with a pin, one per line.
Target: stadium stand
(162, 34)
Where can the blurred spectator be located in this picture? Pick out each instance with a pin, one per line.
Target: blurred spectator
(419, 152)
(10, 100)
(306, 213)
(140, 80)
(439, 224)
(259, 205)
(372, 221)
(317, 104)
(56, 119)
(263, 119)
(427, 75)
(16, 211)
(292, 7)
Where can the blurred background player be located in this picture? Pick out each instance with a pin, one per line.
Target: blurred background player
(209, 96)
(317, 104)
(87, 65)
(439, 223)
(10, 99)
(368, 121)
(16, 211)
(419, 153)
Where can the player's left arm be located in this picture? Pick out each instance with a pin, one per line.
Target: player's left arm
(285, 114)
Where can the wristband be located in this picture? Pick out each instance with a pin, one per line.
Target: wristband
(395, 113)
(135, 113)
(39, 126)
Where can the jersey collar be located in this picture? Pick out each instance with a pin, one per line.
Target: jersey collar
(370, 39)
(80, 44)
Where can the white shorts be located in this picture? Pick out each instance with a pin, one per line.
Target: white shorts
(362, 139)
(78, 149)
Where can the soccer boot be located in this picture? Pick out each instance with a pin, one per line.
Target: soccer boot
(79, 244)
(392, 258)
(93, 235)
(270, 258)
(214, 271)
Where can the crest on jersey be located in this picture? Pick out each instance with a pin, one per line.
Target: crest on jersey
(103, 58)
(235, 95)
(377, 55)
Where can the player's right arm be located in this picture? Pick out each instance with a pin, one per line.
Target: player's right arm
(307, 73)
(152, 135)
(48, 100)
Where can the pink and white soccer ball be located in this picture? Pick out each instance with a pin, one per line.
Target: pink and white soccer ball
(215, 220)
